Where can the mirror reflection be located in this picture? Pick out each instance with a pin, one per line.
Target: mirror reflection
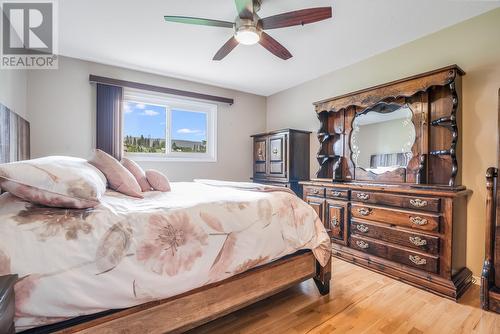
(381, 140)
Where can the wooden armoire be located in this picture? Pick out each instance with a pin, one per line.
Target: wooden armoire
(280, 158)
(490, 277)
(388, 188)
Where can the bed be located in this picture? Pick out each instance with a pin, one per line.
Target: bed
(165, 263)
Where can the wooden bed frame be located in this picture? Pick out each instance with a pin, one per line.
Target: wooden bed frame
(184, 311)
(188, 310)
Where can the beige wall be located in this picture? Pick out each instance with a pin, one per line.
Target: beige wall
(13, 90)
(61, 108)
(475, 46)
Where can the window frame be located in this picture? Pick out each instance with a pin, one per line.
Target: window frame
(172, 103)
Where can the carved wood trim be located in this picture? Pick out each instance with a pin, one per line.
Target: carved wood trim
(454, 134)
(401, 88)
(350, 168)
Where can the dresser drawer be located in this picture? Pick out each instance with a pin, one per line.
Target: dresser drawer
(401, 201)
(416, 220)
(314, 191)
(337, 193)
(423, 242)
(404, 256)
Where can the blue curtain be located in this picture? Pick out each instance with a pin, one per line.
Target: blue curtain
(109, 120)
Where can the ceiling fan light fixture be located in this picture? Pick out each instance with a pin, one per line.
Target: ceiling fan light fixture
(247, 35)
(249, 27)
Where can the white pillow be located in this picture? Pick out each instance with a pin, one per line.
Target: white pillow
(63, 182)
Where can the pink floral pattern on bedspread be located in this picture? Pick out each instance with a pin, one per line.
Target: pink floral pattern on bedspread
(172, 244)
(129, 251)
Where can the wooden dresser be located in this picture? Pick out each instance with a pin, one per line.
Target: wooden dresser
(279, 158)
(490, 277)
(388, 188)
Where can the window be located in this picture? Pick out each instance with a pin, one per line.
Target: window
(157, 127)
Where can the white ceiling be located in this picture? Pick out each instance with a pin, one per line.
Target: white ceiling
(133, 34)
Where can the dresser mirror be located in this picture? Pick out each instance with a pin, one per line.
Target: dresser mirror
(382, 138)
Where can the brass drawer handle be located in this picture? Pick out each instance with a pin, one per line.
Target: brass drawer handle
(364, 211)
(362, 244)
(335, 221)
(418, 221)
(315, 191)
(363, 196)
(362, 228)
(418, 203)
(336, 193)
(417, 260)
(417, 241)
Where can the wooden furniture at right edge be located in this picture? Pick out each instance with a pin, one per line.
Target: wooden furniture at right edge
(404, 212)
(490, 277)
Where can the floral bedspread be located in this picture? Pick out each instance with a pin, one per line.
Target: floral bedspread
(129, 251)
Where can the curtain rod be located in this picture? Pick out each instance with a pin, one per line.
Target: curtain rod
(165, 90)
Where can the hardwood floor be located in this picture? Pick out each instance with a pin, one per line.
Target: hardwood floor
(360, 301)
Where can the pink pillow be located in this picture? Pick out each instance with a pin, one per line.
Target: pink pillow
(138, 173)
(157, 180)
(119, 178)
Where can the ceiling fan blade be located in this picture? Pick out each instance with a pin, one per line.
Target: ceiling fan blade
(274, 47)
(298, 17)
(245, 9)
(226, 49)
(199, 21)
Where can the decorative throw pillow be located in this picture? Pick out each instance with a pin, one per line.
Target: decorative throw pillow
(138, 173)
(158, 180)
(62, 182)
(119, 178)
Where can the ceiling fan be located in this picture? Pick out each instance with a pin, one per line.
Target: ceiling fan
(249, 27)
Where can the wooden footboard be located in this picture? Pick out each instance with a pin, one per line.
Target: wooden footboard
(196, 307)
(489, 296)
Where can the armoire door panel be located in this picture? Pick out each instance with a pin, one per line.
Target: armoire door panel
(260, 150)
(277, 148)
(277, 155)
(277, 168)
(260, 169)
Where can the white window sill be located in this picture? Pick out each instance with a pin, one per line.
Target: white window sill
(146, 158)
